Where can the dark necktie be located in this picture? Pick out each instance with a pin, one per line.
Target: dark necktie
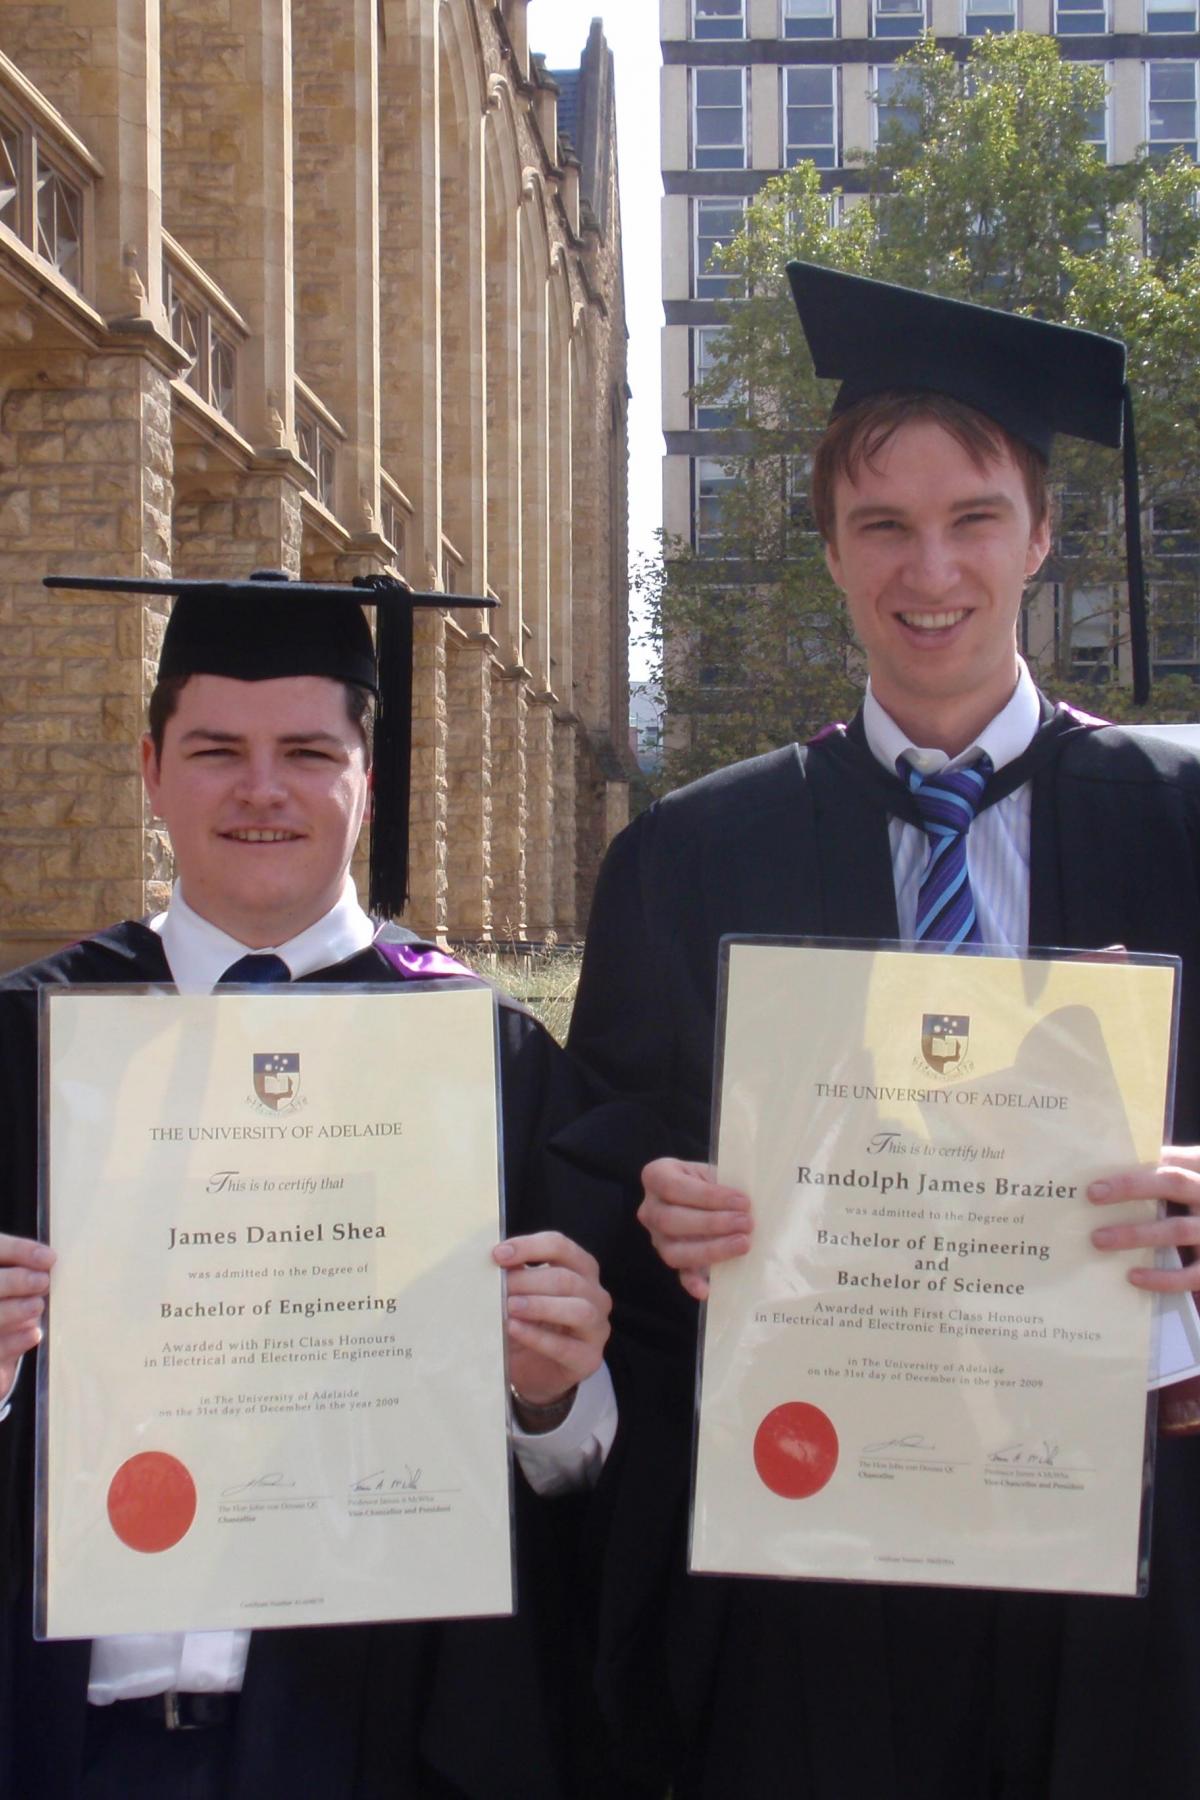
(947, 803)
(257, 969)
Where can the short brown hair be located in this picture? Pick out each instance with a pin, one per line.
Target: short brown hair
(858, 435)
(165, 698)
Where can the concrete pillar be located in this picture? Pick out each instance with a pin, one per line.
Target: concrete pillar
(227, 171)
(409, 265)
(119, 119)
(561, 486)
(427, 878)
(503, 377)
(411, 406)
(566, 921)
(469, 786)
(509, 808)
(540, 773)
(336, 160)
(535, 467)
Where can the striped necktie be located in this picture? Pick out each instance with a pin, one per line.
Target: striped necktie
(947, 803)
(257, 969)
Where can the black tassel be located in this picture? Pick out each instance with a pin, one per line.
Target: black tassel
(388, 884)
(1139, 633)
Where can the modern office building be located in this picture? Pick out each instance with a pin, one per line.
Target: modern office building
(752, 87)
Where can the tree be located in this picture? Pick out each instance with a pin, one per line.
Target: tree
(986, 186)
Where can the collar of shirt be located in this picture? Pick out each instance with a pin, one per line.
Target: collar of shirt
(1003, 738)
(199, 952)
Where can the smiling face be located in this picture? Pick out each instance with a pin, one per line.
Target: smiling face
(932, 550)
(263, 788)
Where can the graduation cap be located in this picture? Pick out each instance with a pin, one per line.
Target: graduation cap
(270, 626)
(1032, 377)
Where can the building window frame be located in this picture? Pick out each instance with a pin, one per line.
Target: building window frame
(1095, 611)
(1082, 18)
(881, 76)
(319, 437)
(729, 153)
(707, 415)
(205, 328)
(980, 16)
(808, 19)
(1170, 18)
(706, 283)
(1166, 73)
(801, 526)
(1175, 542)
(824, 154)
(899, 18)
(1104, 144)
(710, 480)
(46, 198)
(720, 20)
(395, 512)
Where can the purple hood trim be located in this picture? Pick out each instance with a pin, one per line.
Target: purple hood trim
(1081, 717)
(418, 962)
(826, 731)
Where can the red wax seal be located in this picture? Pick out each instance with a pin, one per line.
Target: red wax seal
(151, 1501)
(795, 1450)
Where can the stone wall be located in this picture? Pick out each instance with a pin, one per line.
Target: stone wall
(455, 339)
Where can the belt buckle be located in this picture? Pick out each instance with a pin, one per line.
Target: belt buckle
(173, 1718)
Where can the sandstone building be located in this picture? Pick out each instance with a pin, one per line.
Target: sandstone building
(316, 285)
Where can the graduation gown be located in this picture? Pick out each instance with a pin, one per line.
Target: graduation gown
(835, 1691)
(492, 1709)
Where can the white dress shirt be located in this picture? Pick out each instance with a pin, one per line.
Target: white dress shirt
(569, 1457)
(998, 840)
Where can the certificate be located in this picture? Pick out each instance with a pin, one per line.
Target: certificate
(272, 1387)
(923, 1371)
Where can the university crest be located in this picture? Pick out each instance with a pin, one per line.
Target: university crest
(277, 1079)
(944, 1039)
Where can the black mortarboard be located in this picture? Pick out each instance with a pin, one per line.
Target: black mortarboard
(269, 626)
(1032, 377)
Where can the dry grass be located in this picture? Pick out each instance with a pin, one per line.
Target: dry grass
(543, 980)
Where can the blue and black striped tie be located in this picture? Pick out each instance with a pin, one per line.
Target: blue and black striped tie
(947, 803)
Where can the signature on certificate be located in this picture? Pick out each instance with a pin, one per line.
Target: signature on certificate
(1039, 1453)
(269, 1483)
(405, 1480)
(914, 1443)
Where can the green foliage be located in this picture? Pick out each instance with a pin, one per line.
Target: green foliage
(1174, 701)
(999, 198)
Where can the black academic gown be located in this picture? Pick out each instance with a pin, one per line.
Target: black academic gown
(490, 1710)
(840, 1691)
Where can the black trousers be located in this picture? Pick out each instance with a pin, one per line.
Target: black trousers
(130, 1757)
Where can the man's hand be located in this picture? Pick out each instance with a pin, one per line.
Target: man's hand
(24, 1278)
(693, 1221)
(557, 1315)
(1176, 1178)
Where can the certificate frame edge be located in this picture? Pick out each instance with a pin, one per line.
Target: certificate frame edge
(724, 948)
(47, 994)
(1116, 955)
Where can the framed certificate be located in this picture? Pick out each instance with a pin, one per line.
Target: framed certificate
(272, 1390)
(923, 1371)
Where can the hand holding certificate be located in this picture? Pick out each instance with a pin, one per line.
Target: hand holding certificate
(274, 1385)
(923, 1370)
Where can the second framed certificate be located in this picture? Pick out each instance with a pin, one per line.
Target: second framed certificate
(923, 1371)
